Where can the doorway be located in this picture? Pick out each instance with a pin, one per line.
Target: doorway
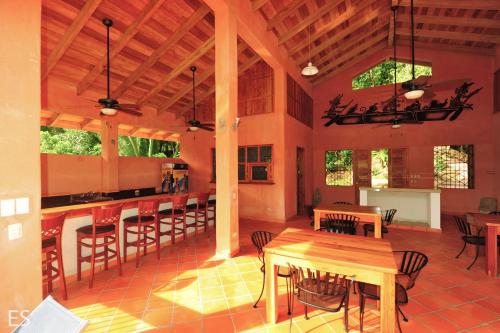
(301, 196)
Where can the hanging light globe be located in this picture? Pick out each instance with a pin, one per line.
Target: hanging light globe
(310, 70)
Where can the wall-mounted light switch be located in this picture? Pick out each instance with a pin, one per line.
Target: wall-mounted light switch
(15, 231)
(22, 206)
(7, 207)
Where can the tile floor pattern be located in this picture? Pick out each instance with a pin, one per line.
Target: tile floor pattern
(189, 291)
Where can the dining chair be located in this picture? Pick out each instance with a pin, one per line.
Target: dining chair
(105, 222)
(469, 237)
(259, 240)
(386, 220)
(320, 290)
(342, 203)
(496, 212)
(141, 226)
(341, 223)
(52, 226)
(410, 264)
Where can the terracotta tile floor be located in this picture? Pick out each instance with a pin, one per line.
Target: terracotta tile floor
(189, 291)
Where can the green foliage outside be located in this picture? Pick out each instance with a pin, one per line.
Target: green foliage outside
(69, 141)
(380, 168)
(338, 165)
(383, 74)
(75, 142)
(452, 165)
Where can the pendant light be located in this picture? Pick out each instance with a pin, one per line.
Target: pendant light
(310, 69)
(108, 111)
(414, 91)
(395, 123)
(193, 128)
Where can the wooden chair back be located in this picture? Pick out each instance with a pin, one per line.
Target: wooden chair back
(179, 201)
(202, 198)
(106, 215)
(52, 226)
(148, 208)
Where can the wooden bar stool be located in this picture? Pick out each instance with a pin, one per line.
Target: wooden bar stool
(174, 217)
(212, 207)
(52, 226)
(199, 211)
(141, 225)
(105, 227)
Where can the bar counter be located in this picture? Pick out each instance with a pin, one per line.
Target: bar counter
(79, 215)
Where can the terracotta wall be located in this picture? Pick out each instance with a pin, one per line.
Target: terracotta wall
(473, 127)
(496, 133)
(21, 277)
(67, 174)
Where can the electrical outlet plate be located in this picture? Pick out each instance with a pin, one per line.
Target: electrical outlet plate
(15, 231)
(7, 207)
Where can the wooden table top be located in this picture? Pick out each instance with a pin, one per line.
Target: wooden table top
(485, 219)
(355, 209)
(86, 208)
(367, 253)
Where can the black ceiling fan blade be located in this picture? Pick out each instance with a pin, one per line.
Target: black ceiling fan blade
(129, 106)
(207, 124)
(206, 128)
(329, 122)
(130, 111)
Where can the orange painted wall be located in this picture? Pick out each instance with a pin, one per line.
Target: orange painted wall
(471, 128)
(21, 277)
(67, 174)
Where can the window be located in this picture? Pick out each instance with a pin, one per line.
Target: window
(69, 141)
(338, 165)
(454, 166)
(380, 168)
(254, 164)
(383, 74)
(135, 146)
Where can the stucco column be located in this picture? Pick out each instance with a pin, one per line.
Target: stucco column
(226, 142)
(109, 144)
(21, 276)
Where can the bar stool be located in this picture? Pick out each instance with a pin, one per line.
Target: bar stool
(105, 226)
(52, 226)
(174, 216)
(212, 207)
(199, 211)
(141, 225)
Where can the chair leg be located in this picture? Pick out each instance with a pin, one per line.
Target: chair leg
(157, 239)
(125, 244)
(366, 232)
(397, 319)
(262, 290)
(138, 247)
(475, 258)
(305, 312)
(117, 247)
(60, 268)
(361, 311)
(288, 292)
(49, 272)
(106, 254)
(291, 306)
(463, 248)
(92, 263)
(78, 260)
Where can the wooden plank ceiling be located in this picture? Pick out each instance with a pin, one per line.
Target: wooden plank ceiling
(343, 32)
(153, 45)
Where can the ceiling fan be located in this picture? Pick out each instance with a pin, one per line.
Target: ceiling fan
(108, 105)
(193, 124)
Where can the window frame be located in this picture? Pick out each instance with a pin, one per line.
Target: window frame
(352, 168)
(470, 169)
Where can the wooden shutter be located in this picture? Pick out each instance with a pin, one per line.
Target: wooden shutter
(362, 171)
(398, 168)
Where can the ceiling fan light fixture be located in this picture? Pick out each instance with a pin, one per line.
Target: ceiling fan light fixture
(310, 70)
(396, 126)
(108, 111)
(193, 128)
(414, 94)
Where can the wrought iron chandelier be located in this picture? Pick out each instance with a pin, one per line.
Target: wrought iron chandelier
(390, 113)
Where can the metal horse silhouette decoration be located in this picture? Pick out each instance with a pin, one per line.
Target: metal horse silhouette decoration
(389, 114)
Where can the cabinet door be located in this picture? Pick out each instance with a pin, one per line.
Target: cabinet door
(398, 168)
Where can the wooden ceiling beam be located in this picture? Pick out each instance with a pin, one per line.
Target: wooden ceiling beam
(198, 53)
(353, 53)
(241, 69)
(454, 4)
(449, 47)
(54, 119)
(473, 22)
(131, 31)
(455, 35)
(334, 23)
(379, 13)
(188, 87)
(257, 4)
(352, 43)
(154, 133)
(329, 6)
(353, 61)
(278, 18)
(70, 35)
(160, 51)
(134, 131)
(85, 122)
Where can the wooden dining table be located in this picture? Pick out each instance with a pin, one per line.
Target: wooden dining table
(367, 214)
(491, 226)
(368, 260)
